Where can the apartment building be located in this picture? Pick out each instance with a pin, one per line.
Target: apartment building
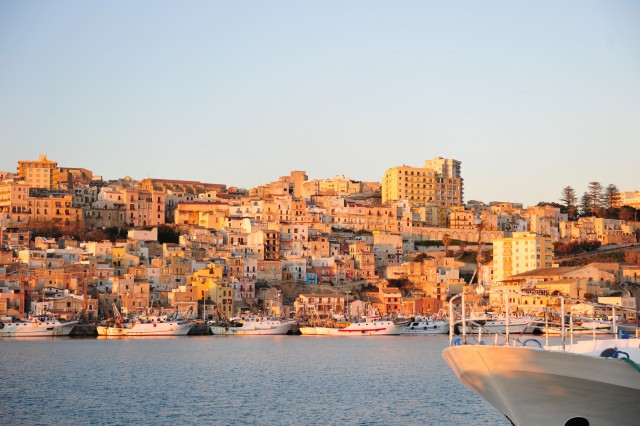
(523, 252)
(56, 207)
(40, 174)
(338, 185)
(142, 208)
(441, 186)
(14, 208)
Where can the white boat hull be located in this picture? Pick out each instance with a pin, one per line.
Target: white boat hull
(256, 328)
(218, 330)
(319, 331)
(370, 328)
(541, 387)
(425, 328)
(500, 326)
(37, 329)
(172, 328)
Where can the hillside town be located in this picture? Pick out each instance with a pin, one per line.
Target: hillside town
(76, 246)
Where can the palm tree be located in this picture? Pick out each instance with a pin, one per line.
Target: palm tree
(446, 240)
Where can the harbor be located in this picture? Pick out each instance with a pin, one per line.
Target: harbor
(270, 380)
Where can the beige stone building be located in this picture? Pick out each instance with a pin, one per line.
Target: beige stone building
(58, 208)
(14, 205)
(338, 185)
(142, 208)
(441, 185)
(40, 174)
(209, 215)
(521, 253)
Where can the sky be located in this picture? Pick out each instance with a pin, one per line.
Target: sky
(530, 96)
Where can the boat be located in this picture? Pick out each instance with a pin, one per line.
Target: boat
(223, 329)
(368, 326)
(158, 326)
(591, 382)
(490, 324)
(35, 326)
(425, 326)
(145, 325)
(256, 325)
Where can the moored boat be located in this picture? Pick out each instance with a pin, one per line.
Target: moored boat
(145, 325)
(591, 382)
(37, 326)
(256, 326)
(423, 326)
(498, 324)
(369, 326)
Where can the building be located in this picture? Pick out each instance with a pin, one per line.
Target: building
(445, 166)
(14, 209)
(40, 174)
(338, 185)
(441, 186)
(521, 253)
(55, 207)
(630, 198)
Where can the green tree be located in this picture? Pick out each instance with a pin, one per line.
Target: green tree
(586, 206)
(596, 196)
(166, 234)
(570, 201)
(611, 196)
(627, 213)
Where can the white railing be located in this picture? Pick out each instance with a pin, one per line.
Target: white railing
(565, 325)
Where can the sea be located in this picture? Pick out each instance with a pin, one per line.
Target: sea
(235, 380)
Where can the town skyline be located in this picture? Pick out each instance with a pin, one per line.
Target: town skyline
(552, 198)
(527, 96)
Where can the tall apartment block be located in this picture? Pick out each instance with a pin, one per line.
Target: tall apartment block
(40, 174)
(523, 252)
(438, 182)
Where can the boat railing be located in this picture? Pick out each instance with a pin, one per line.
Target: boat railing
(563, 323)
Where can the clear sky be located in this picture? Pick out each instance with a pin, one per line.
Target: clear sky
(531, 96)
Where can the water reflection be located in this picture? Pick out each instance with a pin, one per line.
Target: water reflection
(283, 380)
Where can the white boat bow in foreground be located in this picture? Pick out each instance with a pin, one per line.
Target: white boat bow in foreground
(588, 383)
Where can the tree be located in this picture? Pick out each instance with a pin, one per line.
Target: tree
(596, 196)
(166, 234)
(585, 204)
(446, 240)
(562, 208)
(570, 201)
(627, 213)
(611, 196)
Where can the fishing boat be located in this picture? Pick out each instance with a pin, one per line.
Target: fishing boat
(367, 326)
(256, 326)
(35, 326)
(425, 326)
(145, 325)
(591, 382)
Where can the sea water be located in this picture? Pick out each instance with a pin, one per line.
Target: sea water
(233, 380)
